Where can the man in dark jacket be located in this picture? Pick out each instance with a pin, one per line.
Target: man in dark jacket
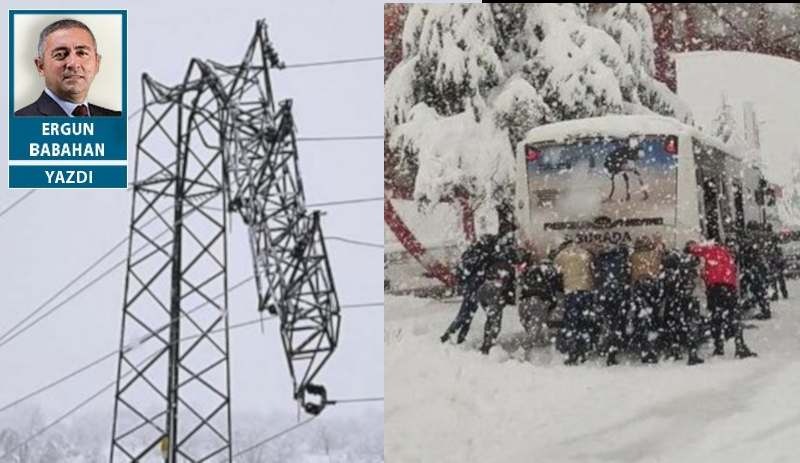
(496, 293)
(777, 264)
(613, 286)
(539, 284)
(490, 262)
(720, 278)
(471, 273)
(574, 264)
(647, 294)
(681, 320)
(498, 290)
(753, 255)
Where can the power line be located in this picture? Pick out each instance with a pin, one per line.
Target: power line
(19, 200)
(59, 419)
(347, 201)
(67, 286)
(61, 304)
(300, 424)
(139, 343)
(305, 65)
(366, 399)
(52, 384)
(356, 242)
(71, 411)
(275, 436)
(108, 386)
(348, 137)
(41, 306)
(332, 62)
(146, 359)
(10, 337)
(341, 138)
(365, 304)
(368, 137)
(7, 336)
(74, 280)
(72, 296)
(258, 320)
(107, 356)
(121, 242)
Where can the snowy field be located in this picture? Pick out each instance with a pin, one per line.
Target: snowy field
(448, 403)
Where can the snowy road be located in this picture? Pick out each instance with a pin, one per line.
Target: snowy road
(447, 403)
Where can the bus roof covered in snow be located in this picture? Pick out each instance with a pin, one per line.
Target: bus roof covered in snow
(619, 126)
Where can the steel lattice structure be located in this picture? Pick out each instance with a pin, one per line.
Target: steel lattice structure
(234, 151)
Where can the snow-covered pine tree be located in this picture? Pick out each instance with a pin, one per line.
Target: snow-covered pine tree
(438, 93)
(723, 126)
(476, 77)
(9, 441)
(789, 204)
(630, 26)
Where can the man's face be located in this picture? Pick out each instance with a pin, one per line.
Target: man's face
(69, 63)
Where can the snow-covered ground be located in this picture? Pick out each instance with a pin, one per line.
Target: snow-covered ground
(448, 403)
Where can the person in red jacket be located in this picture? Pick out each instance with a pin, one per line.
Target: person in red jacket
(719, 276)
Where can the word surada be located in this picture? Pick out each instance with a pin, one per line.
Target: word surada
(67, 149)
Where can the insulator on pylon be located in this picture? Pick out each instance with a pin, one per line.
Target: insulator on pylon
(318, 390)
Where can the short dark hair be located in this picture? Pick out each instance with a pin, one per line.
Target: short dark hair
(57, 26)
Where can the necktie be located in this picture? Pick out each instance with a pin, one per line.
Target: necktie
(80, 111)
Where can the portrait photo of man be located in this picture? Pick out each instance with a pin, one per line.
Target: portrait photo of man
(67, 60)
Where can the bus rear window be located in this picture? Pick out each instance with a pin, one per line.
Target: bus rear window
(606, 179)
(609, 154)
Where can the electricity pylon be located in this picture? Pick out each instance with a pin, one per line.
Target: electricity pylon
(214, 143)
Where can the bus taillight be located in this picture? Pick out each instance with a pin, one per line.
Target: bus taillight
(671, 145)
(532, 154)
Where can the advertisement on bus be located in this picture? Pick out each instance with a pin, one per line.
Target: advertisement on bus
(602, 189)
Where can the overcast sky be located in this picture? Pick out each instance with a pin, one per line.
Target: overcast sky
(55, 234)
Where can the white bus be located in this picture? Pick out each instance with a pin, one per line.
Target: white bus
(615, 178)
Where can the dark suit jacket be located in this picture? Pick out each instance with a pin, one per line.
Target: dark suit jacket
(46, 106)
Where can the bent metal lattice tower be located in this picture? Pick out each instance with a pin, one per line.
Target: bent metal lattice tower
(214, 143)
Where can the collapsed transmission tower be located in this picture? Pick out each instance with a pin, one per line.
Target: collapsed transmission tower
(233, 151)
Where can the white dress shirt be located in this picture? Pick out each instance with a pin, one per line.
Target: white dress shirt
(67, 106)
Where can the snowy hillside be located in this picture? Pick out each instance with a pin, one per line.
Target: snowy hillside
(508, 408)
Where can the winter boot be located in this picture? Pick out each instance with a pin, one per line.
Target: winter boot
(675, 353)
(650, 357)
(611, 360)
(462, 334)
(719, 347)
(694, 359)
(574, 359)
(742, 352)
(446, 336)
(764, 315)
(485, 348)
